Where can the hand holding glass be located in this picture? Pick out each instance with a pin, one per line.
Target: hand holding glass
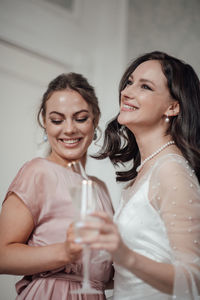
(84, 198)
(77, 167)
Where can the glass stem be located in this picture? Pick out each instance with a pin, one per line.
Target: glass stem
(86, 260)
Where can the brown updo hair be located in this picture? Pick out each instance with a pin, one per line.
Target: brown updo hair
(71, 81)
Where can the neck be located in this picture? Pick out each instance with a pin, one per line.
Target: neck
(64, 162)
(148, 144)
(155, 153)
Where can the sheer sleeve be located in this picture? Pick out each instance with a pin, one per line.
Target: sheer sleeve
(175, 194)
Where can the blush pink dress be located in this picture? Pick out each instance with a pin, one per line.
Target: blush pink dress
(43, 186)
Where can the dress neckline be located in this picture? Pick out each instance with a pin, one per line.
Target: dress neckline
(133, 186)
(67, 168)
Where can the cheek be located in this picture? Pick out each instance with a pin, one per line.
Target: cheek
(146, 99)
(52, 130)
(89, 131)
(150, 104)
(89, 134)
(87, 128)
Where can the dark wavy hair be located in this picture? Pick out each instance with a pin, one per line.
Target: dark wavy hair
(184, 86)
(71, 81)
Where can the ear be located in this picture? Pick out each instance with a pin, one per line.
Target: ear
(173, 109)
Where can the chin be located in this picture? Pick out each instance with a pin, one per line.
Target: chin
(123, 121)
(120, 120)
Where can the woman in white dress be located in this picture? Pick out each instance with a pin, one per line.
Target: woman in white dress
(155, 237)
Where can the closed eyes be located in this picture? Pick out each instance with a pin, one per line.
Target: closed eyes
(57, 122)
(82, 120)
(79, 120)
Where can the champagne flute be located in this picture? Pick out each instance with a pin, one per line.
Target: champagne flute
(102, 256)
(84, 198)
(77, 167)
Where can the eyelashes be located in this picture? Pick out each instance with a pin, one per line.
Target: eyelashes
(146, 87)
(57, 122)
(129, 82)
(79, 120)
(143, 85)
(82, 120)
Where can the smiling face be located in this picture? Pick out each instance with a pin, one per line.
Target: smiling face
(145, 101)
(69, 124)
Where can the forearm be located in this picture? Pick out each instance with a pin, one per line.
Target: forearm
(21, 259)
(159, 275)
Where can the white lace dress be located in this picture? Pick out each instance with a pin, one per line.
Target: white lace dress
(159, 217)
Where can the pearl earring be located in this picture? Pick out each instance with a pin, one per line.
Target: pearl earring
(45, 137)
(167, 119)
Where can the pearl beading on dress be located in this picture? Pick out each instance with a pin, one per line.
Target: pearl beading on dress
(154, 154)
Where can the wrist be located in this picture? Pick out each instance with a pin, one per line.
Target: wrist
(130, 260)
(125, 257)
(62, 254)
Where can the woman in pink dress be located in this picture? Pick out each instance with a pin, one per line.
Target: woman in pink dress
(37, 210)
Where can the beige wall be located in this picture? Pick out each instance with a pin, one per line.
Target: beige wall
(172, 26)
(39, 40)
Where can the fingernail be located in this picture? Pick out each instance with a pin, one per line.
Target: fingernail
(78, 240)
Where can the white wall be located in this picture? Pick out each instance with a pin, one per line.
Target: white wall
(38, 41)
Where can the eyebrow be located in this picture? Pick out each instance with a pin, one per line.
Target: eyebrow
(147, 80)
(62, 115)
(142, 80)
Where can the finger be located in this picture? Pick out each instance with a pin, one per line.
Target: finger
(75, 247)
(103, 216)
(101, 227)
(99, 239)
(70, 227)
(101, 246)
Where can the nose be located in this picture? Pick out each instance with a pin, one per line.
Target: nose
(128, 91)
(69, 127)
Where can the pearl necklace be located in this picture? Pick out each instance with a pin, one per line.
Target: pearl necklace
(154, 154)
